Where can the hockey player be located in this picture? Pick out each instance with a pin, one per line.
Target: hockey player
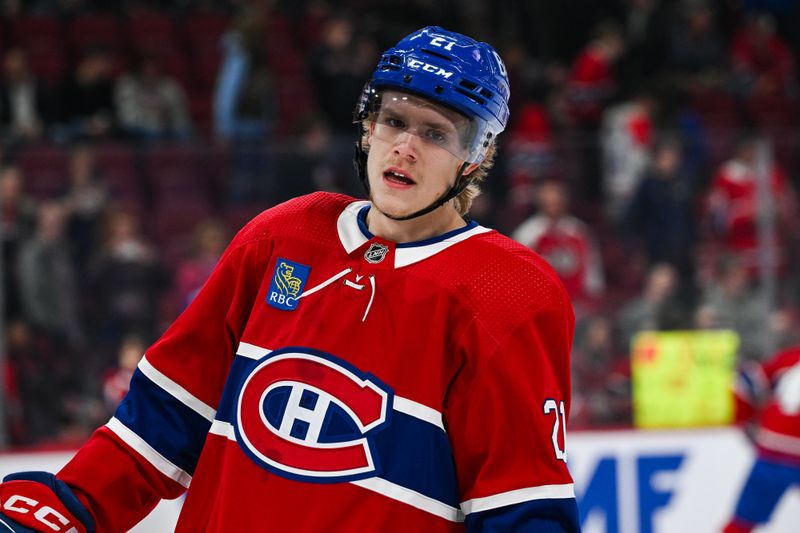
(776, 383)
(378, 365)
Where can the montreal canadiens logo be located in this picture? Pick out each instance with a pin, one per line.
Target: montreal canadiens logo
(308, 415)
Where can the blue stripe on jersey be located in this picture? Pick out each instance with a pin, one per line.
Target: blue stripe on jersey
(171, 428)
(411, 452)
(536, 516)
(417, 455)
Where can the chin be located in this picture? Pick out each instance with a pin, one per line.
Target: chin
(393, 207)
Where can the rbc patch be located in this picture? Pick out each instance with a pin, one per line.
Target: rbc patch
(287, 284)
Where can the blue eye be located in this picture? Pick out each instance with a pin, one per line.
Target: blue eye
(435, 136)
(395, 123)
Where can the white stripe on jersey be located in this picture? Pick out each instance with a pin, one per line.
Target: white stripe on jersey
(410, 497)
(251, 351)
(414, 254)
(543, 492)
(375, 484)
(159, 462)
(223, 429)
(417, 410)
(181, 394)
(778, 442)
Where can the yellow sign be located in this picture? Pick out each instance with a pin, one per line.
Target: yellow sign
(683, 378)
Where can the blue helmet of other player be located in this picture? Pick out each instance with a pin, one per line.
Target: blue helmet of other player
(448, 69)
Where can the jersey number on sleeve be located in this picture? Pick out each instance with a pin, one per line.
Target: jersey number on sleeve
(558, 408)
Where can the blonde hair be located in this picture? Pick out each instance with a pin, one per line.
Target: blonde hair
(463, 201)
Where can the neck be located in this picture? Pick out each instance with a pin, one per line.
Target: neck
(432, 224)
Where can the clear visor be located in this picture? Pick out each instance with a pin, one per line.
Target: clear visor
(396, 115)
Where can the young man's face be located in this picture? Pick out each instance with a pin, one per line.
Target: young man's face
(414, 149)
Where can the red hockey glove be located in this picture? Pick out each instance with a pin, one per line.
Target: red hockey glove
(38, 502)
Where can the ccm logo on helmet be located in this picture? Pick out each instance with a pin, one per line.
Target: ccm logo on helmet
(43, 513)
(308, 415)
(427, 67)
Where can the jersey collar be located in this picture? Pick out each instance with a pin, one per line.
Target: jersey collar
(353, 234)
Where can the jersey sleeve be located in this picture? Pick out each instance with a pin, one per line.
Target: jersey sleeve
(506, 415)
(150, 447)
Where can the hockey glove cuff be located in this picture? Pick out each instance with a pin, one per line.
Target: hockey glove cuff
(38, 502)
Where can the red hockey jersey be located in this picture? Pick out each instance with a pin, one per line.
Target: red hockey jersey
(778, 434)
(325, 379)
(733, 204)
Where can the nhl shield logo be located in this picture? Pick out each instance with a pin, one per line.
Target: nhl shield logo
(376, 252)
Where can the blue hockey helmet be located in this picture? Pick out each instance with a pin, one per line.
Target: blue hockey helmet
(450, 69)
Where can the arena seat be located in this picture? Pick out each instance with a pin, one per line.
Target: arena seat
(88, 30)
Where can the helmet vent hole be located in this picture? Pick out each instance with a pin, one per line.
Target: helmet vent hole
(486, 93)
(472, 96)
(395, 60)
(468, 84)
(439, 89)
(437, 54)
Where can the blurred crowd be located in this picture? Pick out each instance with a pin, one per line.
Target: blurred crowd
(651, 157)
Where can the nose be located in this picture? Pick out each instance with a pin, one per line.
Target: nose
(407, 145)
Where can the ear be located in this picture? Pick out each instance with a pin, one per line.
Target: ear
(472, 167)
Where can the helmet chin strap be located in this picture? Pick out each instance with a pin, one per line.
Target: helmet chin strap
(461, 183)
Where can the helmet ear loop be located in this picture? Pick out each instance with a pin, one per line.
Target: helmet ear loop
(360, 158)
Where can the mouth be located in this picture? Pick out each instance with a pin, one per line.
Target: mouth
(397, 177)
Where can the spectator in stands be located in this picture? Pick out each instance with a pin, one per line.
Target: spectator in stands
(86, 107)
(530, 158)
(646, 30)
(592, 82)
(762, 62)
(731, 302)
(86, 201)
(245, 106)
(338, 67)
(600, 376)
(210, 239)
(149, 104)
(39, 370)
(312, 163)
(733, 208)
(657, 308)
(567, 243)
(17, 224)
(590, 86)
(626, 140)
(245, 103)
(26, 107)
(696, 55)
(12, 406)
(661, 213)
(117, 380)
(47, 279)
(127, 279)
